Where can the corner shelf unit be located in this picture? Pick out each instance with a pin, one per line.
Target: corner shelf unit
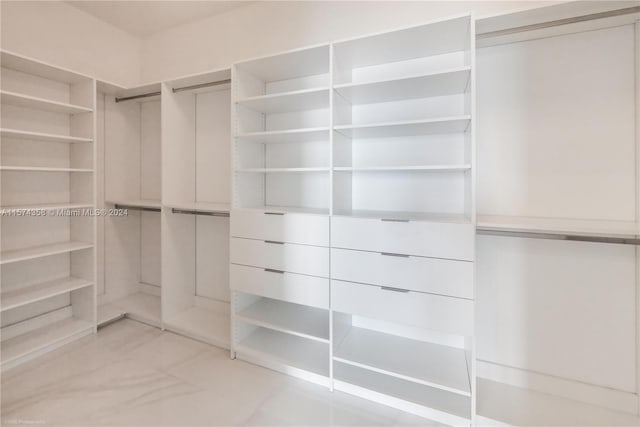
(48, 258)
(195, 213)
(129, 140)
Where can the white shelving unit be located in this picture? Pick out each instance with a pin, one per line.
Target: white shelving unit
(195, 199)
(48, 260)
(129, 141)
(403, 199)
(281, 201)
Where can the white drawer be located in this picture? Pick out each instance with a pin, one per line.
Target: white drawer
(438, 276)
(295, 288)
(430, 239)
(302, 259)
(434, 312)
(291, 228)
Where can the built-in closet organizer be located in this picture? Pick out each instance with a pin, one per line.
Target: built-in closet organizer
(129, 142)
(195, 212)
(280, 217)
(402, 229)
(47, 262)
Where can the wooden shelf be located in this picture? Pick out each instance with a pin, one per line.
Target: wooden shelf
(424, 363)
(578, 227)
(38, 68)
(40, 291)
(406, 128)
(308, 355)
(138, 203)
(440, 404)
(34, 252)
(427, 85)
(503, 404)
(435, 168)
(402, 215)
(288, 209)
(289, 65)
(49, 206)
(281, 170)
(41, 169)
(39, 136)
(284, 102)
(287, 136)
(202, 324)
(142, 307)
(27, 101)
(294, 319)
(43, 338)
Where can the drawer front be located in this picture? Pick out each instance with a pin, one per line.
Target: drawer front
(295, 288)
(438, 276)
(429, 239)
(291, 228)
(434, 312)
(302, 259)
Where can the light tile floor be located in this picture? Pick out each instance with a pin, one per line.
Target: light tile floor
(130, 374)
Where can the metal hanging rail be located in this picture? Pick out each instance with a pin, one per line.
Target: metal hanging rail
(143, 95)
(201, 85)
(137, 208)
(196, 212)
(561, 236)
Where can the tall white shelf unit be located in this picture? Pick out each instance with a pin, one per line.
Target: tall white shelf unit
(48, 263)
(129, 140)
(195, 212)
(280, 217)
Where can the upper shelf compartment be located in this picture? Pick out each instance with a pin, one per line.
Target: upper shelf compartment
(444, 44)
(28, 101)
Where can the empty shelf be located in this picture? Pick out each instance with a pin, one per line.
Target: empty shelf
(288, 209)
(281, 170)
(457, 408)
(578, 227)
(108, 313)
(142, 307)
(39, 136)
(425, 363)
(41, 169)
(51, 335)
(40, 291)
(17, 255)
(28, 101)
(50, 206)
(287, 136)
(295, 319)
(206, 325)
(300, 100)
(423, 86)
(435, 168)
(503, 404)
(406, 128)
(267, 344)
(137, 203)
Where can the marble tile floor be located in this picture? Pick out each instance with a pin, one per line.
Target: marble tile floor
(131, 374)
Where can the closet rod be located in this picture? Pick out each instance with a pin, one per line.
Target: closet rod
(201, 85)
(561, 236)
(194, 212)
(558, 22)
(137, 208)
(144, 95)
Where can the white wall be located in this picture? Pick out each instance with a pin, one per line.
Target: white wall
(272, 26)
(62, 35)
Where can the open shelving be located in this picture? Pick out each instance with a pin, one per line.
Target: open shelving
(130, 140)
(196, 205)
(48, 253)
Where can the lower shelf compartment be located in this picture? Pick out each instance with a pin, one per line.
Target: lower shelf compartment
(425, 363)
(285, 349)
(429, 402)
(40, 291)
(202, 324)
(32, 344)
(300, 320)
(142, 307)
